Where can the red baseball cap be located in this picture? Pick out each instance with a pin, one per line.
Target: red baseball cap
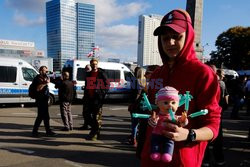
(176, 20)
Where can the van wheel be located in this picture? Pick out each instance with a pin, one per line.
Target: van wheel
(51, 100)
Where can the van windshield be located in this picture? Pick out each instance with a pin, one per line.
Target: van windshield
(28, 74)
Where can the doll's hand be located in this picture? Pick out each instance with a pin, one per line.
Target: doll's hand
(182, 120)
(152, 121)
(174, 132)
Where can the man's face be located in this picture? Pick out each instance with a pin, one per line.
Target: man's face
(43, 71)
(172, 43)
(94, 65)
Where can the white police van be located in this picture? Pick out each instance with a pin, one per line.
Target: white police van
(119, 75)
(231, 73)
(15, 79)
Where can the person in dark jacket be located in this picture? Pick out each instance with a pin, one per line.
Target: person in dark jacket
(86, 123)
(238, 95)
(96, 87)
(65, 97)
(42, 96)
(217, 144)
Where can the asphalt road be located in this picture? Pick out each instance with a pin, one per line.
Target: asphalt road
(18, 148)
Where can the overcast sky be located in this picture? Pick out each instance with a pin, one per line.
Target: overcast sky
(117, 22)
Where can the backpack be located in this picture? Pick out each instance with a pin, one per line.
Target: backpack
(32, 91)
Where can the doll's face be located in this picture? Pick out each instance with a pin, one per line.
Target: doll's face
(165, 105)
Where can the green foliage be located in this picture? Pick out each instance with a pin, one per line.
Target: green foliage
(233, 49)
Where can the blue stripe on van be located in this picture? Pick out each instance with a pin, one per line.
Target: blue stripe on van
(78, 87)
(19, 91)
(55, 91)
(119, 89)
(9, 91)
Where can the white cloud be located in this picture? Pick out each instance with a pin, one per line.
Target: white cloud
(108, 11)
(118, 36)
(22, 20)
(119, 41)
(37, 6)
(28, 12)
(116, 40)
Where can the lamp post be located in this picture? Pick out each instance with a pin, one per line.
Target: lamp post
(203, 49)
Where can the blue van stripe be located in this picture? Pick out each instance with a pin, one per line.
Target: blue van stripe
(19, 91)
(9, 91)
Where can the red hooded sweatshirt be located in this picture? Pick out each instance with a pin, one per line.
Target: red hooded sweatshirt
(187, 74)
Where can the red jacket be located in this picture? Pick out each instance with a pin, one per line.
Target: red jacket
(187, 74)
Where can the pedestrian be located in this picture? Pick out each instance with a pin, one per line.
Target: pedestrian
(217, 144)
(41, 82)
(247, 88)
(65, 88)
(238, 95)
(143, 122)
(96, 87)
(182, 70)
(138, 88)
(86, 122)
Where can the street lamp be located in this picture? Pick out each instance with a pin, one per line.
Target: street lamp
(203, 56)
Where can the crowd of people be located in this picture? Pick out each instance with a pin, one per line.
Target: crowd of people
(183, 140)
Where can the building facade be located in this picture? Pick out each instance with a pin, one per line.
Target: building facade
(147, 53)
(13, 48)
(70, 30)
(25, 50)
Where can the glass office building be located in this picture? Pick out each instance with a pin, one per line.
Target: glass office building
(70, 30)
(85, 29)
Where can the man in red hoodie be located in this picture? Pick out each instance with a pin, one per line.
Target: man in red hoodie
(181, 69)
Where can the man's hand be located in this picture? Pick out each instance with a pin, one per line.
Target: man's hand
(174, 132)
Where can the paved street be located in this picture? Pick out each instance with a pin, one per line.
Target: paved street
(69, 149)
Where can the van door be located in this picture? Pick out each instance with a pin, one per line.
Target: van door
(26, 78)
(9, 85)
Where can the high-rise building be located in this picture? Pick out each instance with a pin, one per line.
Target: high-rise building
(70, 30)
(148, 53)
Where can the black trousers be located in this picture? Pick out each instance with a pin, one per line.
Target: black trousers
(42, 115)
(93, 115)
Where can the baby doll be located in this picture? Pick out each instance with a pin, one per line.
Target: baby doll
(167, 100)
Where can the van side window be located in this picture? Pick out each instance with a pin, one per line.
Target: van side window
(113, 74)
(8, 74)
(81, 74)
(128, 76)
(28, 74)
